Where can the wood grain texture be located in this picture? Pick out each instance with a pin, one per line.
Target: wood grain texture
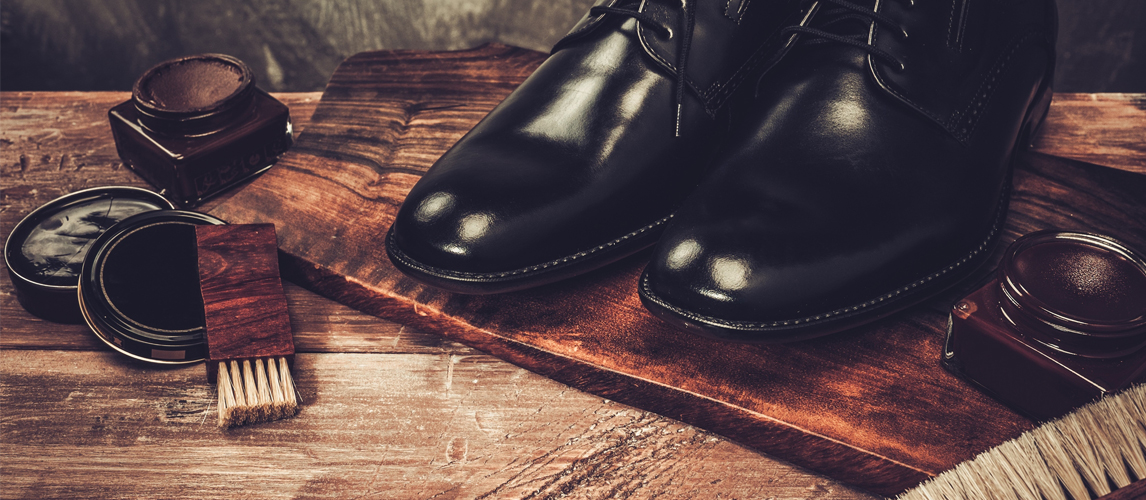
(244, 305)
(1105, 129)
(1136, 490)
(391, 411)
(90, 424)
(871, 407)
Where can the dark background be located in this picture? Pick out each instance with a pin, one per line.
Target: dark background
(294, 45)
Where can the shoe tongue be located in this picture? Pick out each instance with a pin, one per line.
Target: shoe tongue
(843, 21)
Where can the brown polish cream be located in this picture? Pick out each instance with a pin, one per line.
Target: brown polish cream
(1062, 323)
(198, 125)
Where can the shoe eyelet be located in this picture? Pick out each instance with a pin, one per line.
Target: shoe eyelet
(670, 33)
(903, 33)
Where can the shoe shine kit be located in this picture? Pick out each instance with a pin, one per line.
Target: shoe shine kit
(170, 286)
(863, 167)
(813, 216)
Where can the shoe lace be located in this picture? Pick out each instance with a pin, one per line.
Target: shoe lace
(848, 10)
(688, 22)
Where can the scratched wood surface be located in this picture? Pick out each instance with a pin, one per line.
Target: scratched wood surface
(1104, 129)
(391, 411)
(871, 407)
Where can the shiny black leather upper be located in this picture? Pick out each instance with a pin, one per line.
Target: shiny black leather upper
(854, 188)
(579, 166)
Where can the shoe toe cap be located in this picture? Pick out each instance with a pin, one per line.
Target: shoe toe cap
(761, 290)
(439, 230)
(717, 282)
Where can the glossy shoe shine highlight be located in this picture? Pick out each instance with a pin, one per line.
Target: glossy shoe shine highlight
(870, 173)
(584, 163)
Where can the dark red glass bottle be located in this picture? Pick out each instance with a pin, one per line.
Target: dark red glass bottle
(198, 125)
(1062, 323)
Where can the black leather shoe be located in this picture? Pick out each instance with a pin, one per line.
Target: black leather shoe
(585, 162)
(872, 173)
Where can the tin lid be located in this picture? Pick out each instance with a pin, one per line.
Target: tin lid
(1086, 292)
(139, 287)
(45, 251)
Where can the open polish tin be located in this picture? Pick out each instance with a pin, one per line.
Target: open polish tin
(197, 125)
(139, 287)
(45, 251)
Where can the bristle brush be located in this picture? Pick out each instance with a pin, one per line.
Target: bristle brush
(1098, 450)
(249, 343)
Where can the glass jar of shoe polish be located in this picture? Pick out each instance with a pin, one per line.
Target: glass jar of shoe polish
(1062, 323)
(45, 251)
(198, 125)
(139, 287)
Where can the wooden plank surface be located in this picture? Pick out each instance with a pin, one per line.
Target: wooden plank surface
(53, 445)
(871, 407)
(1104, 129)
(391, 411)
(89, 424)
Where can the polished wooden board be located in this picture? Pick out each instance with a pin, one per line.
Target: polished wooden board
(871, 407)
(390, 411)
(1104, 129)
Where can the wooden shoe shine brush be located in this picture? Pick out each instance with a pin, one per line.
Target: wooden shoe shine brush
(249, 343)
(1095, 451)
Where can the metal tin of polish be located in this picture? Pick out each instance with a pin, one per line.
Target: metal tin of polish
(45, 251)
(139, 287)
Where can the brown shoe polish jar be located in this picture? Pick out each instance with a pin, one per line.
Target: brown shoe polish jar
(139, 287)
(1062, 323)
(198, 125)
(45, 251)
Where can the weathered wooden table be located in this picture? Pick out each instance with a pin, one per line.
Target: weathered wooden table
(390, 412)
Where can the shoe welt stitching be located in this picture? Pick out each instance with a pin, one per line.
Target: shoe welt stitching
(525, 270)
(1000, 216)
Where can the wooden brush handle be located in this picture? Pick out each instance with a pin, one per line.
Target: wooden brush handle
(243, 299)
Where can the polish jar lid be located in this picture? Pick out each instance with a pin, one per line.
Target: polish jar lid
(45, 251)
(193, 96)
(139, 287)
(1082, 293)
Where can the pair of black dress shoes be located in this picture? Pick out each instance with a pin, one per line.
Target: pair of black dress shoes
(803, 166)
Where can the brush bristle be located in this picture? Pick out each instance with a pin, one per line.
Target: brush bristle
(1085, 454)
(256, 391)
